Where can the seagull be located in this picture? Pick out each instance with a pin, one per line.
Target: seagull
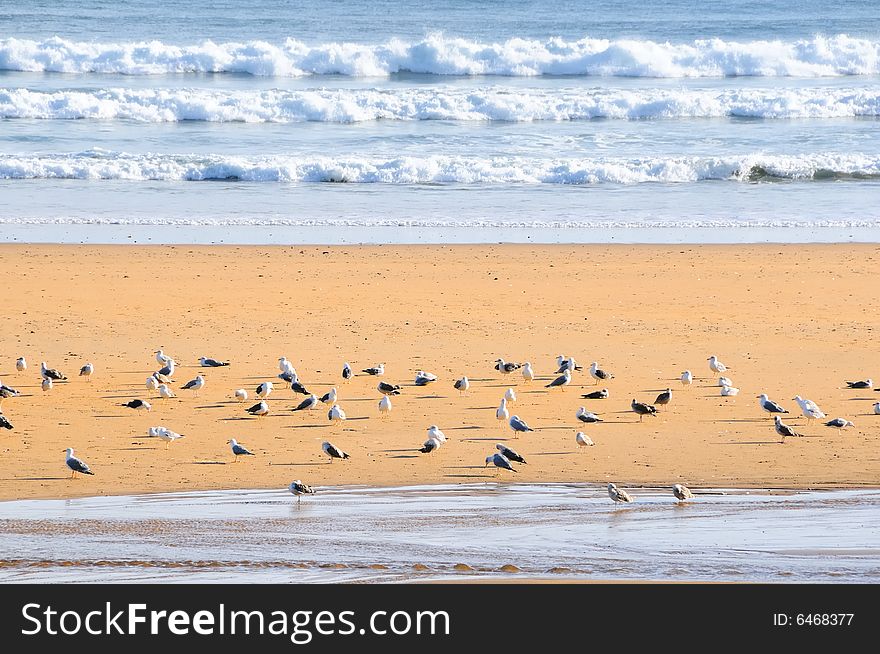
(499, 461)
(725, 381)
(867, 383)
(583, 440)
(264, 390)
(510, 395)
(562, 381)
(288, 376)
(618, 495)
(388, 389)
(7, 392)
(643, 409)
(346, 371)
(284, 365)
(424, 378)
(152, 383)
(682, 492)
(139, 405)
(333, 452)
(664, 398)
(50, 373)
(566, 364)
(385, 405)
(238, 450)
(336, 414)
(839, 423)
(596, 395)
(462, 385)
(162, 379)
(77, 465)
(769, 405)
(261, 408)
(505, 367)
(167, 435)
(729, 391)
(47, 384)
(518, 425)
(501, 413)
(877, 408)
(434, 432)
(509, 454)
(309, 403)
(378, 369)
(165, 392)
(167, 371)
(587, 416)
(194, 384)
(687, 378)
(560, 361)
(802, 403)
(599, 374)
(208, 362)
(809, 408)
(329, 397)
(86, 371)
(715, 365)
(296, 387)
(430, 445)
(20, 364)
(162, 358)
(4, 423)
(299, 489)
(782, 429)
(527, 372)
(240, 395)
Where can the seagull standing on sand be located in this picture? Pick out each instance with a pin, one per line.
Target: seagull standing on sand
(506, 367)
(518, 426)
(346, 371)
(388, 389)
(598, 374)
(77, 465)
(725, 381)
(264, 390)
(297, 387)
(729, 391)
(462, 385)
(195, 384)
(643, 409)
(769, 405)
(165, 392)
(288, 376)
(687, 378)
(664, 398)
(329, 397)
(527, 372)
(510, 395)
(377, 370)
(240, 395)
(384, 405)
(167, 371)
(50, 373)
(715, 365)
(46, 384)
(336, 414)
(430, 445)
(809, 408)
(238, 450)
(152, 383)
(867, 383)
(587, 416)
(782, 429)
(424, 378)
(208, 362)
(260, 409)
(333, 452)
(501, 413)
(877, 408)
(86, 371)
(284, 365)
(310, 402)
(299, 489)
(839, 423)
(583, 440)
(499, 461)
(162, 358)
(682, 492)
(509, 454)
(434, 432)
(167, 435)
(618, 495)
(20, 364)
(138, 405)
(561, 382)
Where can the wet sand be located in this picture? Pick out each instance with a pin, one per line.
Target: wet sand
(787, 319)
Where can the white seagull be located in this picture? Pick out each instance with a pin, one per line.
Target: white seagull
(618, 495)
(424, 378)
(284, 365)
(527, 372)
(77, 465)
(682, 492)
(434, 432)
(240, 395)
(46, 384)
(725, 381)
(162, 358)
(729, 391)
(336, 414)
(687, 378)
(501, 413)
(165, 392)
(167, 435)
(385, 405)
(86, 371)
(809, 408)
(20, 364)
(715, 365)
(877, 408)
(583, 440)
(510, 395)
(152, 383)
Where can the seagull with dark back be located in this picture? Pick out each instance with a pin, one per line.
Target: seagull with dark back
(643, 409)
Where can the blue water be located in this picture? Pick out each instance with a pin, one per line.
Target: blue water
(395, 121)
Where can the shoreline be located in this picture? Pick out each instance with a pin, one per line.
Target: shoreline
(786, 318)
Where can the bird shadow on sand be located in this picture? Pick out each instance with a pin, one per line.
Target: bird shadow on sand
(298, 463)
(749, 443)
(486, 476)
(305, 426)
(405, 456)
(464, 427)
(209, 406)
(121, 415)
(490, 438)
(860, 399)
(135, 449)
(550, 454)
(37, 479)
(239, 418)
(750, 420)
(208, 463)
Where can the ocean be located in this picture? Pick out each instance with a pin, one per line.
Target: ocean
(394, 121)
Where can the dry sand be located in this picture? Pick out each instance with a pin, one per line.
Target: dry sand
(787, 319)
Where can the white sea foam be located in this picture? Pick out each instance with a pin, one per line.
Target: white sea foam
(98, 164)
(432, 103)
(438, 54)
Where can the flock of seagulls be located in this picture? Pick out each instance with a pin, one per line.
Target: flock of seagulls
(502, 459)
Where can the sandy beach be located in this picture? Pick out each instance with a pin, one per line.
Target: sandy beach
(787, 320)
